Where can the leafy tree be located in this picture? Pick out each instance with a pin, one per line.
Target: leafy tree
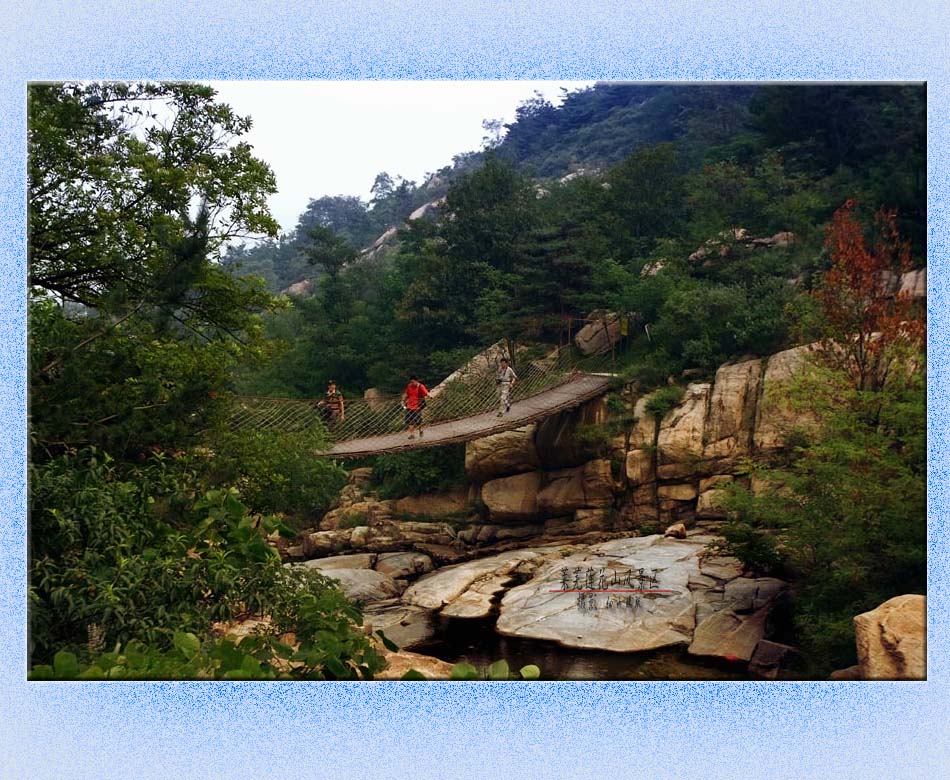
(142, 356)
(383, 187)
(329, 250)
(128, 555)
(846, 516)
(346, 215)
(865, 317)
(644, 200)
(113, 172)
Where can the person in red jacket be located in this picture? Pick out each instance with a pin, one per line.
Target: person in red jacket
(413, 401)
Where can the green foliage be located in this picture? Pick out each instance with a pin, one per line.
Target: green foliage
(134, 328)
(351, 520)
(112, 183)
(497, 671)
(415, 472)
(847, 515)
(464, 671)
(126, 389)
(597, 437)
(260, 656)
(107, 538)
(750, 532)
(664, 400)
(277, 471)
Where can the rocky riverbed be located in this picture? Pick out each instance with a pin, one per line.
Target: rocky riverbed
(630, 596)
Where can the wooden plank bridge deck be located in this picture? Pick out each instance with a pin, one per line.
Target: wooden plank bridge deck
(564, 396)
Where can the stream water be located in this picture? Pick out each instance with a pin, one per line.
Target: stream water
(476, 642)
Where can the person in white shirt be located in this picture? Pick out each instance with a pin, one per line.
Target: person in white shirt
(505, 380)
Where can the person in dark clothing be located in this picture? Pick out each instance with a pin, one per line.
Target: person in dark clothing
(332, 407)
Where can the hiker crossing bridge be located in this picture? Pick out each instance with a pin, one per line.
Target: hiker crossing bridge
(462, 408)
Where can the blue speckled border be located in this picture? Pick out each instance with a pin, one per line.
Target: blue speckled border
(510, 731)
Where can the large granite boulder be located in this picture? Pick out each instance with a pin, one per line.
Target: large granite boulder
(567, 490)
(640, 467)
(511, 452)
(643, 433)
(775, 417)
(513, 498)
(641, 507)
(679, 492)
(680, 441)
(403, 564)
(398, 663)
(600, 334)
(892, 640)
(404, 624)
(432, 504)
(365, 585)
(732, 410)
(538, 610)
(731, 617)
(368, 512)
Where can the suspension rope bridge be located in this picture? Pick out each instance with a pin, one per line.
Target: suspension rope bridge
(462, 408)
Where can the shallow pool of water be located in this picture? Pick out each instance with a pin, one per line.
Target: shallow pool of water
(477, 642)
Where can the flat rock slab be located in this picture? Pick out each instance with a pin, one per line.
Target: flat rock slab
(404, 624)
(436, 590)
(476, 601)
(403, 564)
(365, 585)
(728, 635)
(357, 561)
(397, 664)
(536, 611)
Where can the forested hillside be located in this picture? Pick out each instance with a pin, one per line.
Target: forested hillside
(676, 166)
(819, 132)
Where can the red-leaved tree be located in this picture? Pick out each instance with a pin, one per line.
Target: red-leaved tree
(870, 323)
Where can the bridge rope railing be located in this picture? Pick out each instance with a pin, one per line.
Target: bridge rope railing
(469, 395)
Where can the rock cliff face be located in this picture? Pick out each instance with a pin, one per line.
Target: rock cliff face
(656, 472)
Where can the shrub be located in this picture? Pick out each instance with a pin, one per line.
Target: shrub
(277, 471)
(351, 520)
(664, 399)
(122, 553)
(416, 472)
(850, 517)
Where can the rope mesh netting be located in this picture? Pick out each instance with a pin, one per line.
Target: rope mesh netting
(466, 395)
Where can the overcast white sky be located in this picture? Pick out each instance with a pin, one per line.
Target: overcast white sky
(333, 137)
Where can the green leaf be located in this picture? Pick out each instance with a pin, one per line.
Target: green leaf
(530, 672)
(187, 644)
(464, 671)
(499, 670)
(42, 672)
(337, 667)
(412, 674)
(65, 665)
(251, 667)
